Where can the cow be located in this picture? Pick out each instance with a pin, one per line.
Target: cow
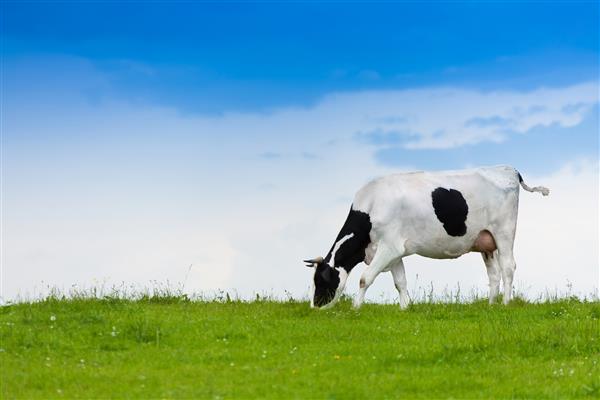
(438, 215)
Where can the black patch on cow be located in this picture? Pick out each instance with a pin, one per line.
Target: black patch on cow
(327, 281)
(451, 209)
(352, 251)
(520, 178)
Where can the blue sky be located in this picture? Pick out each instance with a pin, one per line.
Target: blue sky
(148, 134)
(210, 57)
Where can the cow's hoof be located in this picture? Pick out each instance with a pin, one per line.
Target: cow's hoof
(404, 304)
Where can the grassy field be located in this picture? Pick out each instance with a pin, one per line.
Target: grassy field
(173, 348)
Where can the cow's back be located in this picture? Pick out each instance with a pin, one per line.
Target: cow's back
(439, 214)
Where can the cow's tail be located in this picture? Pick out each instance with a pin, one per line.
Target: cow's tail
(543, 190)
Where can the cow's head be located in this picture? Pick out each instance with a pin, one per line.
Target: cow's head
(328, 283)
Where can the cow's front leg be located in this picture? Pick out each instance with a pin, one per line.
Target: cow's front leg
(383, 257)
(399, 275)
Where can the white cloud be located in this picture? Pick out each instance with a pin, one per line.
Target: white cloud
(557, 239)
(445, 118)
(116, 192)
(419, 118)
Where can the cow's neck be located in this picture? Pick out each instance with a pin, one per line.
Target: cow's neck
(348, 265)
(346, 253)
(349, 247)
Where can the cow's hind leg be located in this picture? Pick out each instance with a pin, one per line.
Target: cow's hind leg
(493, 271)
(383, 257)
(508, 265)
(399, 276)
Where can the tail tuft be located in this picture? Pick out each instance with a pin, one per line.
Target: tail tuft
(541, 189)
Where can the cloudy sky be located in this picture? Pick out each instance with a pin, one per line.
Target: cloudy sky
(216, 145)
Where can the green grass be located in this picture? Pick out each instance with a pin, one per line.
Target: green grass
(173, 348)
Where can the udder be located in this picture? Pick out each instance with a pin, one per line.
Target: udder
(484, 243)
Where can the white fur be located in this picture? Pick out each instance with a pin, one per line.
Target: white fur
(337, 246)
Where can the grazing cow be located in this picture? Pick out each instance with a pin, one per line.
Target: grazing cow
(434, 214)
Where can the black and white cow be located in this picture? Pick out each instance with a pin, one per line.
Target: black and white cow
(434, 214)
